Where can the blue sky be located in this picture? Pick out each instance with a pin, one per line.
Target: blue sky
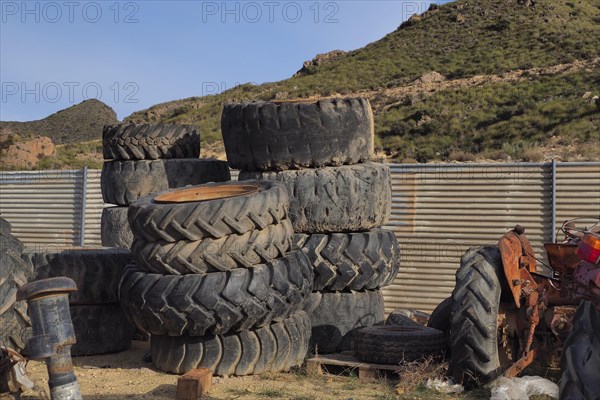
(134, 54)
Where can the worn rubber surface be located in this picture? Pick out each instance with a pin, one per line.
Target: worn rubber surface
(15, 326)
(5, 226)
(264, 136)
(352, 261)
(114, 228)
(123, 182)
(14, 273)
(473, 324)
(393, 345)
(217, 302)
(211, 255)
(580, 359)
(100, 329)
(349, 198)
(150, 142)
(336, 316)
(272, 348)
(217, 218)
(96, 272)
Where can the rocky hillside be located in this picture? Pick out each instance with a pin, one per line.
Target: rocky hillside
(491, 79)
(80, 123)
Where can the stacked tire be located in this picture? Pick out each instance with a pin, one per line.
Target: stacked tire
(144, 158)
(320, 151)
(15, 326)
(216, 281)
(99, 323)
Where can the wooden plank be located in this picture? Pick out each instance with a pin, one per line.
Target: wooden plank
(193, 384)
(367, 372)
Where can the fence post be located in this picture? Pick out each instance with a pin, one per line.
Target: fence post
(553, 201)
(83, 205)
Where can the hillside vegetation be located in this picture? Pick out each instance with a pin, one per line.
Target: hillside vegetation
(493, 119)
(80, 123)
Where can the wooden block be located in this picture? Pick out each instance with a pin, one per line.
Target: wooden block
(313, 367)
(193, 384)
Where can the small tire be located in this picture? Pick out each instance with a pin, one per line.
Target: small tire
(392, 345)
(580, 360)
(96, 272)
(114, 228)
(100, 329)
(352, 261)
(123, 182)
(349, 198)
(217, 302)
(271, 348)
(150, 142)
(264, 136)
(213, 255)
(336, 316)
(216, 218)
(474, 322)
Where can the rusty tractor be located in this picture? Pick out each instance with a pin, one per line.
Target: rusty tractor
(506, 313)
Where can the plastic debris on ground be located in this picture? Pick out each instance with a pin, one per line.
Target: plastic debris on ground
(442, 386)
(522, 388)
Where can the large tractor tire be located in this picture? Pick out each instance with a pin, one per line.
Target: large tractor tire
(150, 142)
(349, 198)
(262, 136)
(216, 302)
(212, 255)
(217, 218)
(473, 324)
(580, 360)
(271, 348)
(352, 261)
(123, 182)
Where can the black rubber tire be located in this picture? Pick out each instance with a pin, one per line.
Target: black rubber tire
(392, 345)
(580, 360)
(217, 302)
(352, 261)
(217, 218)
(100, 329)
(349, 198)
(405, 317)
(123, 182)
(16, 326)
(150, 142)
(264, 136)
(96, 272)
(14, 273)
(473, 324)
(5, 227)
(336, 316)
(212, 255)
(440, 316)
(114, 228)
(272, 348)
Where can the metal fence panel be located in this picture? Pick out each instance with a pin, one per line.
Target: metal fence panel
(440, 211)
(44, 207)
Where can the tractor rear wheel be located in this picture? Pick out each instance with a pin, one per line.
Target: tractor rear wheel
(581, 356)
(477, 356)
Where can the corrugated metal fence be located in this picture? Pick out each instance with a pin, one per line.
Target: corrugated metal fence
(438, 212)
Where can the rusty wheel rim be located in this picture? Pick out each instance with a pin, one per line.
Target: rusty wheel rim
(206, 193)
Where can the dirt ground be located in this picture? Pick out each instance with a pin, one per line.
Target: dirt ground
(126, 376)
